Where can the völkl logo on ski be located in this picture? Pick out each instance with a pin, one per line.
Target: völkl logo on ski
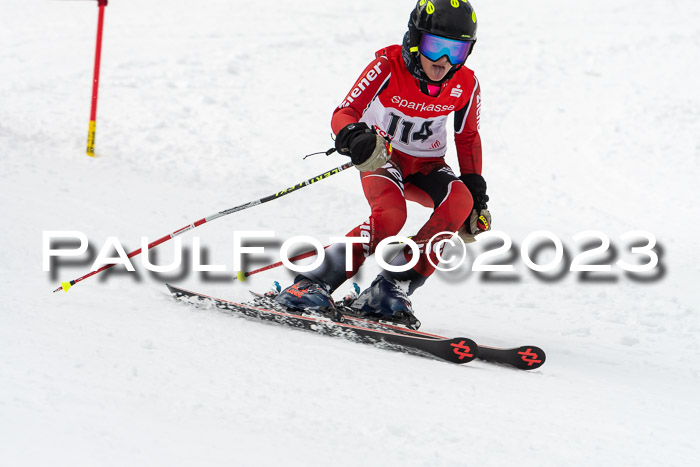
(529, 357)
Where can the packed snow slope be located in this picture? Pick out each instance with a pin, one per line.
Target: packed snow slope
(590, 121)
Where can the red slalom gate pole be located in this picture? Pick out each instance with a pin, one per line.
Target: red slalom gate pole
(101, 4)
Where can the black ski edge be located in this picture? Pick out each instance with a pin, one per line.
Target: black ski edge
(456, 350)
(526, 357)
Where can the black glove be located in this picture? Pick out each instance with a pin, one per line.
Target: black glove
(366, 148)
(480, 218)
(477, 187)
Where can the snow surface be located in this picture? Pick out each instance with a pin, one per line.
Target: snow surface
(590, 121)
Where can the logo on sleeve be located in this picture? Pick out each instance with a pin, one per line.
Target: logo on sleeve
(478, 111)
(371, 75)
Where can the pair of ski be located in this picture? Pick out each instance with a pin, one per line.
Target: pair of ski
(386, 335)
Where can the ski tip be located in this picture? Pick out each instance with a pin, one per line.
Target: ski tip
(530, 357)
(241, 276)
(176, 291)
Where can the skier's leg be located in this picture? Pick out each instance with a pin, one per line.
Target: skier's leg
(433, 184)
(452, 203)
(415, 194)
(383, 189)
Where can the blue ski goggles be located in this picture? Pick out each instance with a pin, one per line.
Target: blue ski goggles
(435, 47)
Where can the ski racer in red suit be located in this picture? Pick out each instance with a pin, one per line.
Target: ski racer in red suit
(406, 94)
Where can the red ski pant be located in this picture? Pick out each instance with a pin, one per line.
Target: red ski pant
(427, 181)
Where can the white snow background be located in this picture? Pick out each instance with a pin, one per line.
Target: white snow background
(590, 120)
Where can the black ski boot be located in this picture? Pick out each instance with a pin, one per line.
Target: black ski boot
(384, 300)
(307, 295)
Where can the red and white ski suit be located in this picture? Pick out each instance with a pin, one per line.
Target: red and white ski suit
(388, 97)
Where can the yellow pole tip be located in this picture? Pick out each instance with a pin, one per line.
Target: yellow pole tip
(66, 286)
(241, 276)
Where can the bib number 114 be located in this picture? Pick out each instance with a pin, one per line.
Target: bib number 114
(406, 129)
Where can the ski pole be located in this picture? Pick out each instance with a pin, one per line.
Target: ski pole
(243, 275)
(96, 79)
(67, 285)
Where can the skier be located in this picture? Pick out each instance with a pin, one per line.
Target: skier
(406, 94)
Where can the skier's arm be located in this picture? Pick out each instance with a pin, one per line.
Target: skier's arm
(468, 144)
(343, 118)
(370, 83)
(467, 137)
(367, 150)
